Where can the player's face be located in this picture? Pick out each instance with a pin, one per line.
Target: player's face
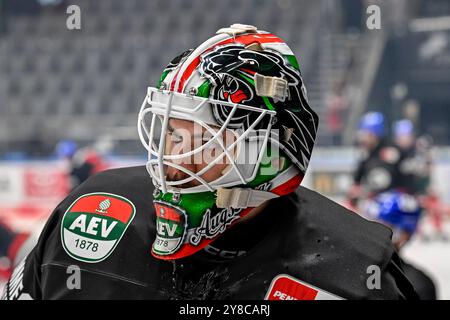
(367, 140)
(404, 141)
(184, 136)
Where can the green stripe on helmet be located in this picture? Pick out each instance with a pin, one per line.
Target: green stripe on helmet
(268, 104)
(252, 82)
(293, 61)
(194, 203)
(204, 89)
(163, 76)
(265, 171)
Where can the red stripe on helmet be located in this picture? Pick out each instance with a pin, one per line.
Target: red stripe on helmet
(248, 71)
(172, 85)
(187, 73)
(289, 186)
(259, 37)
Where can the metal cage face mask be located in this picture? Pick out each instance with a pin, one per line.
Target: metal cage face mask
(189, 218)
(243, 155)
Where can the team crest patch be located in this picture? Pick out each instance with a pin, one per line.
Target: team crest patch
(171, 225)
(94, 224)
(285, 287)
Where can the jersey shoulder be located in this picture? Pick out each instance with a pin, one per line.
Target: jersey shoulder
(102, 223)
(133, 184)
(338, 250)
(332, 218)
(120, 179)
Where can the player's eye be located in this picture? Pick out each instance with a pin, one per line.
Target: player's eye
(175, 138)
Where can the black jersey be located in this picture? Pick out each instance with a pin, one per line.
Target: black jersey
(414, 170)
(423, 284)
(379, 169)
(105, 229)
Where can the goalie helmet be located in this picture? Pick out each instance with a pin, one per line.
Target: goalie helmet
(242, 83)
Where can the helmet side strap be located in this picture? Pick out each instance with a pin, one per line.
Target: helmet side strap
(242, 198)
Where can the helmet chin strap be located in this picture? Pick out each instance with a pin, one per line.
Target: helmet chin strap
(240, 198)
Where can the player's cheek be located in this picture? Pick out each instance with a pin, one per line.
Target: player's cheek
(168, 146)
(214, 173)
